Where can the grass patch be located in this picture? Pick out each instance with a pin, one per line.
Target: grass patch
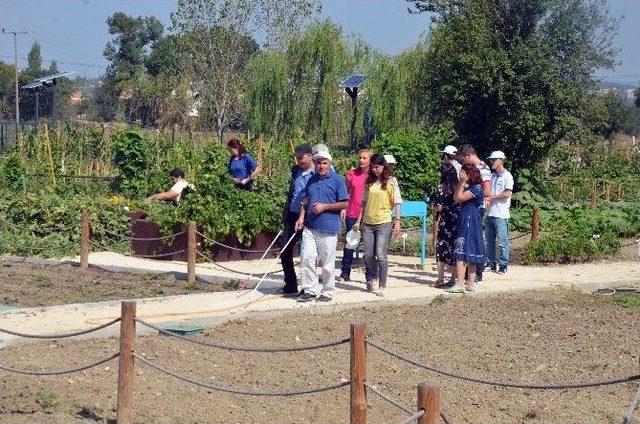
(191, 287)
(47, 399)
(440, 300)
(42, 281)
(627, 301)
(230, 285)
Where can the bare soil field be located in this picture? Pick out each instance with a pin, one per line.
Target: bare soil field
(536, 337)
(28, 284)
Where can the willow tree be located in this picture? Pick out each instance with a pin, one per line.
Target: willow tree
(267, 91)
(318, 59)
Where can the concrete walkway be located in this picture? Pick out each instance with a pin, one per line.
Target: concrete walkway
(407, 282)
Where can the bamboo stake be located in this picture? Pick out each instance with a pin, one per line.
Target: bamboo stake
(50, 153)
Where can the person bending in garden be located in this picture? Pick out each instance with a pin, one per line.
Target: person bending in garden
(242, 167)
(497, 222)
(177, 190)
(468, 249)
(468, 156)
(301, 172)
(356, 179)
(380, 200)
(325, 196)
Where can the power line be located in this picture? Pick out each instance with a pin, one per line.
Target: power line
(64, 62)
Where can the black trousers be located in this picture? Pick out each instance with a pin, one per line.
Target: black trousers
(290, 280)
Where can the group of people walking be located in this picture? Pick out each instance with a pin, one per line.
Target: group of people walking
(320, 202)
(466, 241)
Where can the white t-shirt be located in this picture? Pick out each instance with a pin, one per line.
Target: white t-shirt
(178, 187)
(500, 183)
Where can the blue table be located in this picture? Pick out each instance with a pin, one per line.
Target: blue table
(418, 208)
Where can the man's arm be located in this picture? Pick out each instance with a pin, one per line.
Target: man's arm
(504, 195)
(165, 195)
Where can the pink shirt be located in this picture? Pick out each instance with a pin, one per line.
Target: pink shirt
(356, 179)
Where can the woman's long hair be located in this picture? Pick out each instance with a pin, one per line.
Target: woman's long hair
(236, 144)
(448, 178)
(473, 173)
(378, 159)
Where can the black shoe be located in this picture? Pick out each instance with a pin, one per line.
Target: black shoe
(306, 297)
(490, 267)
(502, 270)
(324, 298)
(300, 293)
(287, 292)
(344, 277)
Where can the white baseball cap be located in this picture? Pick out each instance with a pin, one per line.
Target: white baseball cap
(450, 150)
(323, 154)
(320, 147)
(497, 155)
(390, 159)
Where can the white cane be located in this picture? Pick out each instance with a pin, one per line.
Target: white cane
(267, 273)
(264, 255)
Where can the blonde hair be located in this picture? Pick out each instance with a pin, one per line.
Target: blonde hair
(369, 151)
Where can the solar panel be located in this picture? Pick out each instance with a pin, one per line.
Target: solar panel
(353, 81)
(45, 80)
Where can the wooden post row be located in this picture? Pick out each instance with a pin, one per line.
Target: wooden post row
(535, 224)
(191, 252)
(358, 374)
(429, 400)
(124, 414)
(84, 239)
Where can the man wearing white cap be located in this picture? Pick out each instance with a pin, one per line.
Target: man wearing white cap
(324, 197)
(497, 224)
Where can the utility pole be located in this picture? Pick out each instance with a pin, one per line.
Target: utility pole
(15, 55)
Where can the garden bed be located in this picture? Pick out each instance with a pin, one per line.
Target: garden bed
(28, 284)
(537, 337)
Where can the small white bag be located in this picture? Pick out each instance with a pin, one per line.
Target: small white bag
(352, 239)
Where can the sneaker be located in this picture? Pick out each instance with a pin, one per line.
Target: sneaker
(287, 292)
(455, 289)
(306, 297)
(371, 284)
(300, 293)
(324, 298)
(490, 267)
(344, 278)
(502, 270)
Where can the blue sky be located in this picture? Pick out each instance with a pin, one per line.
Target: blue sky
(74, 31)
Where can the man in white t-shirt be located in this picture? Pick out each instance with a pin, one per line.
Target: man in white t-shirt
(176, 191)
(497, 222)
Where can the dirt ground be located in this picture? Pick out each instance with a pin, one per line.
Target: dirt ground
(27, 284)
(537, 337)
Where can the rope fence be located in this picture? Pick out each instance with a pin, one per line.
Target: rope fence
(489, 382)
(59, 335)
(239, 391)
(62, 372)
(242, 348)
(428, 409)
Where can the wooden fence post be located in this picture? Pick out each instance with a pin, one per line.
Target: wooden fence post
(594, 200)
(84, 239)
(535, 224)
(607, 191)
(561, 190)
(429, 400)
(125, 365)
(358, 374)
(191, 252)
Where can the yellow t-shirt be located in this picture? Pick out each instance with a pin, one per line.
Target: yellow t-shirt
(379, 204)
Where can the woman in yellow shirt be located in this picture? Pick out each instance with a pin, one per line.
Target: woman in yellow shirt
(380, 200)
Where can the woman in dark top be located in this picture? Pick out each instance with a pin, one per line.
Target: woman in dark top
(447, 223)
(242, 167)
(469, 245)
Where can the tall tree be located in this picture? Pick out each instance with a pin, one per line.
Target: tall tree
(34, 59)
(127, 53)
(512, 74)
(217, 39)
(53, 68)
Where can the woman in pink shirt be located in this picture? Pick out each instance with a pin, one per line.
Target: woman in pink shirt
(356, 179)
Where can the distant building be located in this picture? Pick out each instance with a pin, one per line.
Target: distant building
(630, 94)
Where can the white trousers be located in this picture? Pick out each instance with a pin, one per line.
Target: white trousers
(318, 247)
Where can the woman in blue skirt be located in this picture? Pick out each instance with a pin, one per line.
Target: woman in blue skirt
(468, 249)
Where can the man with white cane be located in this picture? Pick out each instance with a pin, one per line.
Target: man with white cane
(324, 197)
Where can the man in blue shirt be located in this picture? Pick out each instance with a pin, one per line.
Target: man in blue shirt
(325, 196)
(300, 175)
